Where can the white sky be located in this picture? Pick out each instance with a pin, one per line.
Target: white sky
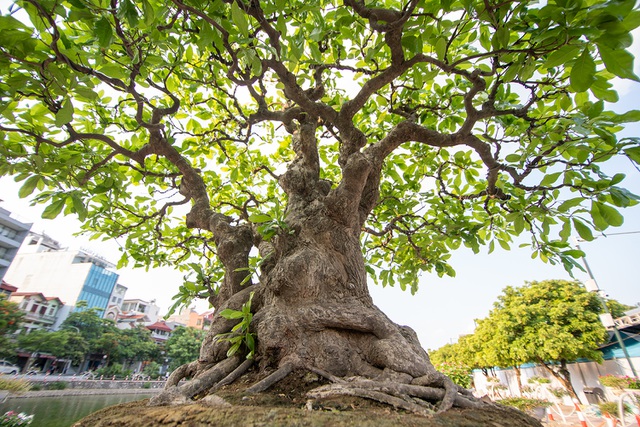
(443, 309)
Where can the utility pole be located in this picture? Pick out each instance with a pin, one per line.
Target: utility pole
(606, 318)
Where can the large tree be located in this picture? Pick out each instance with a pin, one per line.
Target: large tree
(183, 346)
(292, 148)
(551, 322)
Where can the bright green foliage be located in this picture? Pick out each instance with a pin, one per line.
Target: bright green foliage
(10, 318)
(152, 369)
(64, 344)
(617, 309)
(97, 335)
(551, 322)
(134, 344)
(547, 321)
(183, 346)
(240, 333)
(488, 119)
(459, 373)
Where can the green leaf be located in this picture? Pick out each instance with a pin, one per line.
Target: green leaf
(571, 203)
(28, 187)
(104, 32)
(78, 206)
(231, 314)
(129, 12)
(259, 218)
(604, 215)
(65, 113)
(54, 209)
(633, 153)
(583, 230)
(583, 72)
(562, 56)
(240, 19)
(113, 70)
(618, 62)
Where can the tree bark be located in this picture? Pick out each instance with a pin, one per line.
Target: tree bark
(563, 375)
(312, 308)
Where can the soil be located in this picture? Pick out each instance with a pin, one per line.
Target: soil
(285, 405)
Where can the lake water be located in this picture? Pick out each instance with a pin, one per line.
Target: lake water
(63, 411)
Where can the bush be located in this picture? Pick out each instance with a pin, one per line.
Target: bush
(152, 370)
(524, 404)
(14, 385)
(539, 380)
(558, 392)
(146, 385)
(611, 408)
(112, 370)
(620, 382)
(57, 385)
(459, 373)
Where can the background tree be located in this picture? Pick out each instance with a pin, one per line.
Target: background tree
(183, 345)
(61, 344)
(617, 309)
(557, 322)
(10, 318)
(550, 323)
(285, 150)
(134, 344)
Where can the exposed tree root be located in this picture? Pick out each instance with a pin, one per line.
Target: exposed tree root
(173, 395)
(349, 390)
(237, 373)
(267, 382)
(410, 397)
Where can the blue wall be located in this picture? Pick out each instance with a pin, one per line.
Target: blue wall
(613, 350)
(97, 288)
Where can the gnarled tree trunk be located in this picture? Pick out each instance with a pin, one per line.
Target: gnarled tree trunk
(311, 308)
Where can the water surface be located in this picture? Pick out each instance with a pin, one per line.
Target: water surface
(63, 411)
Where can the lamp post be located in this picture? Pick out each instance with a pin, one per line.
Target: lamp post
(606, 318)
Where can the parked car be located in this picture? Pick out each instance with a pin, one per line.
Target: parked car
(8, 368)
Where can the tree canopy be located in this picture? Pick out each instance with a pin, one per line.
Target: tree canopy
(550, 323)
(477, 120)
(183, 345)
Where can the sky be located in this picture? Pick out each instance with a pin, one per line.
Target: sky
(443, 308)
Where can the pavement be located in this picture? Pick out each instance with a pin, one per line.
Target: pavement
(567, 416)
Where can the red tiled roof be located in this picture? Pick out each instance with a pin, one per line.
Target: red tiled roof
(7, 287)
(159, 326)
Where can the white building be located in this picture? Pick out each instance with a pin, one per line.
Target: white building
(43, 266)
(139, 306)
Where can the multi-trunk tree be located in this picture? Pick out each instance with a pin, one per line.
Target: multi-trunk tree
(284, 151)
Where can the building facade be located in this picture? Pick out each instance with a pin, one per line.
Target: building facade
(139, 306)
(43, 266)
(12, 234)
(41, 312)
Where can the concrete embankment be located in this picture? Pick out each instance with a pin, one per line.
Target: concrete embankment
(86, 388)
(75, 392)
